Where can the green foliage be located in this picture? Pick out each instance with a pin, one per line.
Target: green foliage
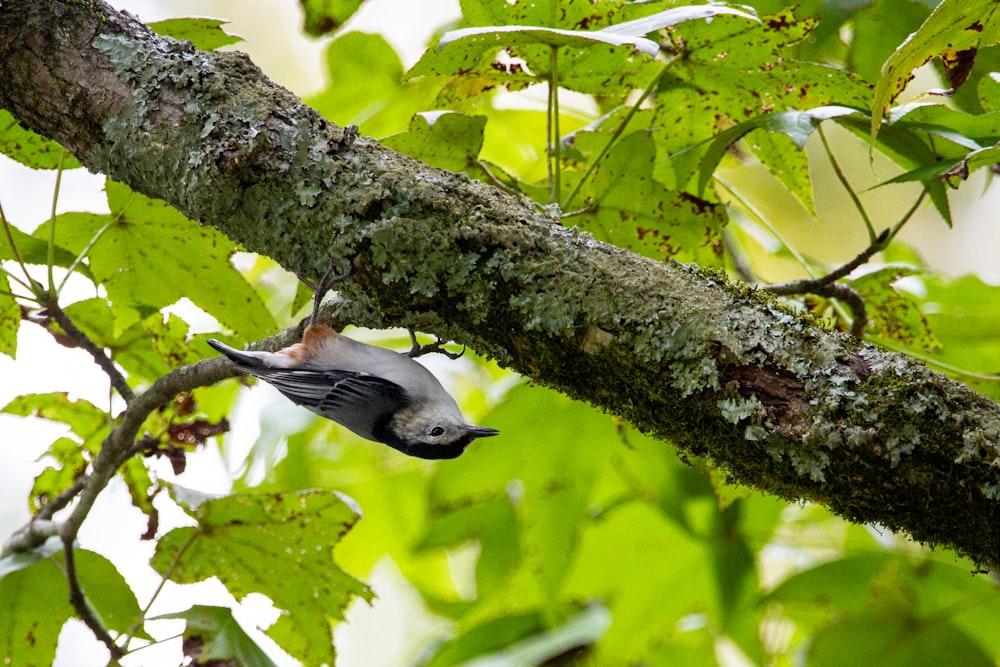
(213, 635)
(154, 240)
(204, 33)
(954, 31)
(36, 600)
(571, 536)
(277, 544)
(30, 149)
(326, 16)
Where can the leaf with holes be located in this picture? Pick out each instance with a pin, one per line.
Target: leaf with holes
(279, 545)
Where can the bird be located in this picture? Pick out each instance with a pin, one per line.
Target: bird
(379, 394)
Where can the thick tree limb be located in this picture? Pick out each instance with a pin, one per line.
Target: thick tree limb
(720, 370)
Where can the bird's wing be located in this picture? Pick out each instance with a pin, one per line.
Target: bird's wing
(335, 392)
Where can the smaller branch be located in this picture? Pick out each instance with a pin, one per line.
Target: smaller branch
(495, 181)
(29, 536)
(418, 350)
(81, 339)
(827, 286)
(62, 500)
(82, 607)
(321, 288)
(906, 216)
(810, 285)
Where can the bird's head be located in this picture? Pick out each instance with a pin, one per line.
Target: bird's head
(432, 434)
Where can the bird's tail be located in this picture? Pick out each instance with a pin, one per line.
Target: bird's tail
(248, 360)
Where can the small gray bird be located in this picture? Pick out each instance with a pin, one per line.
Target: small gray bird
(379, 394)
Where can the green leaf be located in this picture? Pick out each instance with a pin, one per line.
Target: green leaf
(362, 68)
(796, 125)
(732, 71)
(555, 482)
(843, 585)
(493, 524)
(894, 314)
(487, 637)
(107, 591)
(279, 545)
(893, 639)
(629, 208)
(31, 149)
(53, 480)
(141, 241)
(212, 636)
(474, 41)
(989, 92)
(878, 29)
(205, 33)
(967, 131)
(445, 140)
(955, 25)
(83, 417)
(962, 313)
(10, 319)
(36, 604)
(34, 250)
(621, 561)
(36, 601)
(675, 16)
(323, 17)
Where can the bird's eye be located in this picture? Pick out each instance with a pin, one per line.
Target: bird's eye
(436, 431)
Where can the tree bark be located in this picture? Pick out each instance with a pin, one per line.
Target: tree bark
(720, 370)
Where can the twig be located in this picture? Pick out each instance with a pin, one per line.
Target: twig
(31, 535)
(80, 604)
(418, 350)
(828, 287)
(812, 284)
(81, 339)
(323, 286)
(62, 500)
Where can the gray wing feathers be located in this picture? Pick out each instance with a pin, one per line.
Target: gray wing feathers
(355, 400)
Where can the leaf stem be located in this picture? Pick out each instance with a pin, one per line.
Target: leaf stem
(617, 133)
(553, 138)
(17, 256)
(81, 339)
(50, 258)
(159, 588)
(86, 250)
(750, 208)
(872, 236)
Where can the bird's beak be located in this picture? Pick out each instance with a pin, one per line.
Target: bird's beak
(480, 431)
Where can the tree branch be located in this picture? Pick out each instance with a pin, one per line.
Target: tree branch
(82, 607)
(81, 339)
(720, 370)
